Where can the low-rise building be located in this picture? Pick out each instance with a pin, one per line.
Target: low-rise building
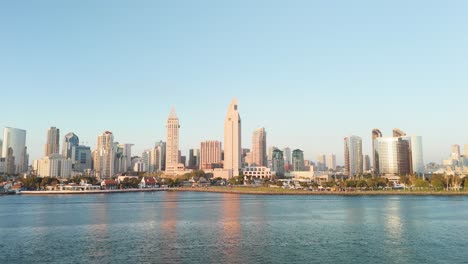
(148, 182)
(257, 173)
(109, 185)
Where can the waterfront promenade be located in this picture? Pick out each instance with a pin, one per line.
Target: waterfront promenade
(93, 191)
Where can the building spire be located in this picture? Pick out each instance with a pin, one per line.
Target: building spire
(173, 113)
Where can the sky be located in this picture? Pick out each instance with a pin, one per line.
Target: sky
(310, 72)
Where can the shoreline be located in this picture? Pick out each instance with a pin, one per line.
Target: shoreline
(267, 191)
(91, 191)
(256, 191)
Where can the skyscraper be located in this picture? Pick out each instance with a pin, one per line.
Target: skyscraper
(125, 159)
(14, 150)
(172, 143)
(298, 160)
(321, 162)
(277, 161)
(53, 141)
(69, 142)
(353, 155)
(104, 156)
(287, 155)
(375, 159)
(366, 163)
(210, 154)
(232, 139)
(81, 158)
(259, 154)
(331, 161)
(194, 159)
(456, 151)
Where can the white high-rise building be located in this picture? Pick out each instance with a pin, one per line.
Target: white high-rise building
(14, 150)
(331, 161)
(54, 165)
(321, 162)
(172, 143)
(232, 139)
(287, 155)
(126, 158)
(353, 156)
(259, 154)
(104, 156)
(53, 141)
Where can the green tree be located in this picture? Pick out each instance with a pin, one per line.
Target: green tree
(438, 182)
(422, 184)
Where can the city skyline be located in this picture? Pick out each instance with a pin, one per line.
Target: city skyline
(364, 69)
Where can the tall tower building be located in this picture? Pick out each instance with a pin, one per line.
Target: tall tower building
(194, 159)
(331, 161)
(287, 155)
(210, 154)
(277, 160)
(353, 156)
(321, 162)
(298, 160)
(456, 151)
(53, 138)
(104, 156)
(71, 140)
(375, 158)
(366, 163)
(14, 150)
(398, 133)
(259, 150)
(232, 139)
(172, 142)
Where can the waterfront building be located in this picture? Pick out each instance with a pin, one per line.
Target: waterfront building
(399, 155)
(53, 138)
(172, 143)
(277, 160)
(259, 154)
(298, 160)
(14, 150)
(257, 173)
(70, 140)
(124, 157)
(210, 154)
(55, 166)
(232, 139)
(353, 156)
(331, 162)
(104, 156)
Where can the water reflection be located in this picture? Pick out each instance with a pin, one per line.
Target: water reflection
(169, 226)
(98, 231)
(231, 228)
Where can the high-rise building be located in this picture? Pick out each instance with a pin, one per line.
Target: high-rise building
(298, 160)
(194, 159)
(55, 166)
(270, 156)
(465, 151)
(104, 156)
(375, 159)
(210, 154)
(399, 155)
(277, 160)
(331, 161)
(366, 163)
(259, 151)
(321, 162)
(123, 158)
(14, 150)
(353, 156)
(172, 143)
(53, 141)
(71, 140)
(456, 153)
(157, 157)
(287, 155)
(232, 139)
(81, 158)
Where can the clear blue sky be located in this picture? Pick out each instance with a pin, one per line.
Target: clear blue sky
(310, 72)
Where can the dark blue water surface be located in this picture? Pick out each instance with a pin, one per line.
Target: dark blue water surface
(176, 227)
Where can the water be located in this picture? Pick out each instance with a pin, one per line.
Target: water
(171, 227)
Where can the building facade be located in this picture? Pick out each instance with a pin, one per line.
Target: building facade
(298, 160)
(172, 143)
(81, 158)
(259, 148)
(277, 161)
(70, 140)
(232, 139)
(331, 162)
(104, 156)
(55, 166)
(52, 145)
(353, 156)
(210, 154)
(14, 150)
